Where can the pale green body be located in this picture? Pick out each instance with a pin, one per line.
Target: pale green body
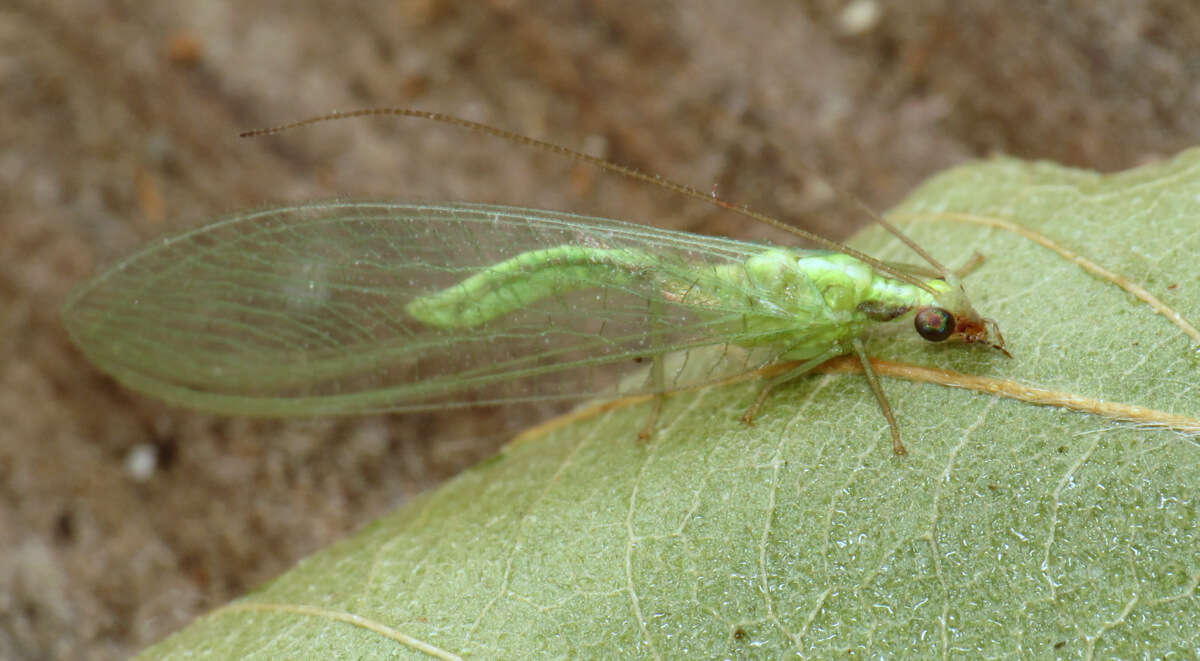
(353, 307)
(803, 302)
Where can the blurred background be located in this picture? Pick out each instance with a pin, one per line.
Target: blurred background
(121, 519)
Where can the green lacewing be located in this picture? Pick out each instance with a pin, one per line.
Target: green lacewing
(348, 307)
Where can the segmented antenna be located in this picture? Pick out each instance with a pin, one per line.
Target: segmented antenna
(638, 175)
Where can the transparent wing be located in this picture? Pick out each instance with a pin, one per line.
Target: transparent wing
(302, 311)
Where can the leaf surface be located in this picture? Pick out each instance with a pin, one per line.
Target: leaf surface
(1011, 529)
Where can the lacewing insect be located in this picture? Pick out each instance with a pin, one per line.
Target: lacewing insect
(353, 307)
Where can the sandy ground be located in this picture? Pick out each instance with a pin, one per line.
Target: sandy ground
(121, 518)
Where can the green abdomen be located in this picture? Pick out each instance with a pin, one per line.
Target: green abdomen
(526, 279)
(803, 302)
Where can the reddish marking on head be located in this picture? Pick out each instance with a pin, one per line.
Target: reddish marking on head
(973, 329)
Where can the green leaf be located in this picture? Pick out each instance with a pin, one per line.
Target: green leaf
(1010, 529)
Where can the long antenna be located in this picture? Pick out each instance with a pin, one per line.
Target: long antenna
(637, 175)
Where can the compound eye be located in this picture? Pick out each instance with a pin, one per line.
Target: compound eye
(934, 324)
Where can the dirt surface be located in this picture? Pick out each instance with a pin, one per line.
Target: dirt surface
(121, 519)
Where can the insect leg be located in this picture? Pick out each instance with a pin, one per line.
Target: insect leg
(800, 370)
(657, 376)
(873, 380)
(973, 263)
